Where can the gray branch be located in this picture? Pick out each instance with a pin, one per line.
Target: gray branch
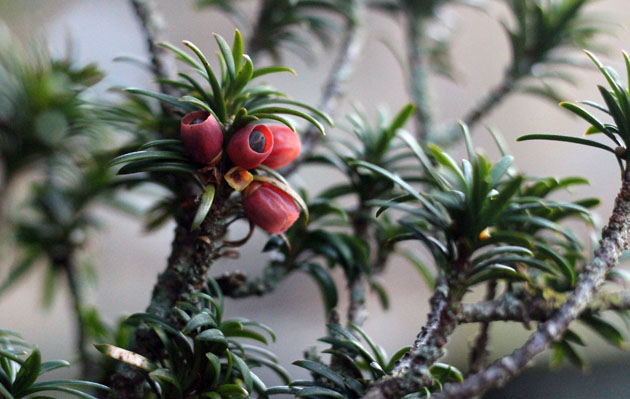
(479, 353)
(237, 285)
(419, 73)
(351, 47)
(525, 308)
(614, 242)
(89, 368)
(412, 371)
(357, 308)
(151, 23)
(483, 107)
(192, 254)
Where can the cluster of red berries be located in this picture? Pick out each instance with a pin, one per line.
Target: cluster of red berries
(271, 145)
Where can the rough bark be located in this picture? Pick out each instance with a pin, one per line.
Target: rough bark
(614, 242)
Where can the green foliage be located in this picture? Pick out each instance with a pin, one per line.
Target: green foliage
(206, 357)
(617, 100)
(347, 235)
(356, 361)
(227, 6)
(542, 32)
(420, 8)
(46, 122)
(308, 246)
(437, 34)
(481, 221)
(379, 146)
(54, 225)
(21, 367)
(282, 25)
(41, 103)
(289, 24)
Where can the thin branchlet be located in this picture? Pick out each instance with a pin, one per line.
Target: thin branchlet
(520, 307)
(525, 308)
(162, 64)
(419, 73)
(479, 353)
(412, 371)
(357, 309)
(68, 265)
(341, 71)
(481, 109)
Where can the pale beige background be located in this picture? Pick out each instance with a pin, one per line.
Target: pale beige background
(128, 260)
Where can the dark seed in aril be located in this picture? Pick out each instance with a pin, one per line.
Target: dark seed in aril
(257, 141)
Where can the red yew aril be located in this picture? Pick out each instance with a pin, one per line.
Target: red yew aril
(202, 136)
(250, 146)
(270, 208)
(286, 146)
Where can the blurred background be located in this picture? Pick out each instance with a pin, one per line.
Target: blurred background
(128, 260)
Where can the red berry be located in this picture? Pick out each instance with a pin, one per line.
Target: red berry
(250, 146)
(286, 147)
(202, 136)
(270, 208)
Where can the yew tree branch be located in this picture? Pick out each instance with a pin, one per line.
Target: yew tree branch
(482, 108)
(357, 282)
(493, 98)
(519, 307)
(151, 24)
(67, 264)
(479, 354)
(357, 309)
(614, 242)
(343, 67)
(192, 254)
(526, 308)
(419, 73)
(412, 371)
(238, 285)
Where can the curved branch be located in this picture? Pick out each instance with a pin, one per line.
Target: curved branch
(151, 23)
(351, 47)
(479, 354)
(490, 101)
(523, 309)
(482, 108)
(412, 371)
(614, 242)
